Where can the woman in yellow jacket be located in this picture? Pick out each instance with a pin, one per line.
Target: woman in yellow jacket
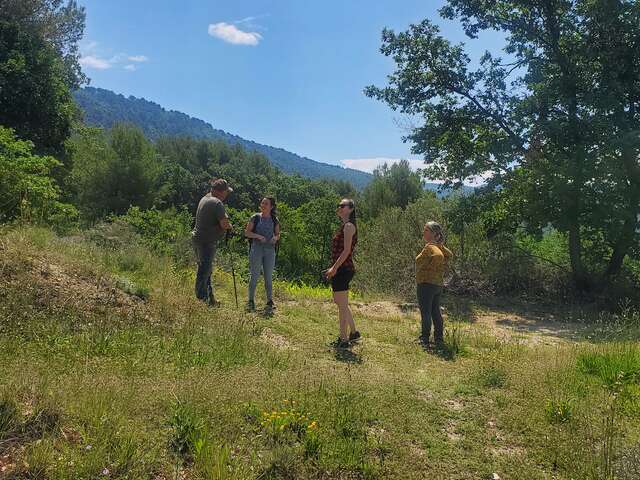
(430, 265)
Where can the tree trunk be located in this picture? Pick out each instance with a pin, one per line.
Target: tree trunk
(581, 279)
(462, 243)
(631, 223)
(577, 155)
(619, 252)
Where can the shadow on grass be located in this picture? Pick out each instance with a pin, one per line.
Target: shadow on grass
(443, 351)
(346, 355)
(267, 312)
(460, 308)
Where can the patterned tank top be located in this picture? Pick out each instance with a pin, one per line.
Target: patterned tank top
(337, 246)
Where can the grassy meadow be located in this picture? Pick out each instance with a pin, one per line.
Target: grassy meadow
(109, 368)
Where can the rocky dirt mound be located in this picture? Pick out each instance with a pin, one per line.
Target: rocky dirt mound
(57, 287)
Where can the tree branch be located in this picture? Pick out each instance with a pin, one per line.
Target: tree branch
(495, 117)
(533, 255)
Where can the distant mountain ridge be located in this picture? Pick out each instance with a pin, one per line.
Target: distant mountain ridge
(104, 108)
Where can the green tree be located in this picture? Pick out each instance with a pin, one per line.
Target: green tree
(249, 172)
(556, 123)
(112, 172)
(39, 68)
(177, 186)
(27, 190)
(394, 186)
(387, 247)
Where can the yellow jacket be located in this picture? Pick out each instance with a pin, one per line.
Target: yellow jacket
(431, 263)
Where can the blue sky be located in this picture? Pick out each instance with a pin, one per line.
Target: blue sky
(286, 73)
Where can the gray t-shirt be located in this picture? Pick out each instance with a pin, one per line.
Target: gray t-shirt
(264, 227)
(210, 212)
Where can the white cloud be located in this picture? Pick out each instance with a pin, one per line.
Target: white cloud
(88, 47)
(138, 58)
(246, 20)
(250, 22)
(95, 62)
(478, 180)
(370, 164)
(232, 34)
(96, 58)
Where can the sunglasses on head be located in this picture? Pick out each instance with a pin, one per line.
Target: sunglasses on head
(342, 205)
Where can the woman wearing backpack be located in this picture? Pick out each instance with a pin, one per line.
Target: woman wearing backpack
(430, 265)
(342, 271)
(263, 231)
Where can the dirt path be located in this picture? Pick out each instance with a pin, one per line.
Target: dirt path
(515, 321)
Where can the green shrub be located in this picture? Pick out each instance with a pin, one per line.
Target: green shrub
(38, 459)
(389, 244)
(213, 461)
(112, 170)
(287, 421)
(28, 191)
(113, 235)
(454, 342)
(127, 286)
(8, 416)
(559, 411)
(187, 430)
(492, 375)
(613, 366)
(165, 232)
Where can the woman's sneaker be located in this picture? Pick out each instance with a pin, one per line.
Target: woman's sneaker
(354, 336)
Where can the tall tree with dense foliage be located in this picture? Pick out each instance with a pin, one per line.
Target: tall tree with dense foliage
(112, 172)
(556, 121)
(392, 186)
(39, 69)
(27, 190)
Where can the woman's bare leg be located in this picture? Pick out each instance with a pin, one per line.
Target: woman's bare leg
(341, 299)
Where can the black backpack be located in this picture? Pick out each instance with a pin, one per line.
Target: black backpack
(255, 219)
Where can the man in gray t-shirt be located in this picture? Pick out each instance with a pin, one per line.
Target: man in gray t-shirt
(211, 225)
(208, 217)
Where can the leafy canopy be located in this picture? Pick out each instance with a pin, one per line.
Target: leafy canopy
(39, 68)
(555, 121)
(27, 190)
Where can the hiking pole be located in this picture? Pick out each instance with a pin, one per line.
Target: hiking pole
(233, 270)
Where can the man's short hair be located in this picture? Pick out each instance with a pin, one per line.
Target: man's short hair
(220, 185)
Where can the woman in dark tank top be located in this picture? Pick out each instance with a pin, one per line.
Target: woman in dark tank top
(342, 270)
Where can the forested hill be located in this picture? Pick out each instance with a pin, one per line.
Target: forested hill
(104, 108)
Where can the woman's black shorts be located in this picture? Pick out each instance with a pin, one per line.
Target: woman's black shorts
(340, 281)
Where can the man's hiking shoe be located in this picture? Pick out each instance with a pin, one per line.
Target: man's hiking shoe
(270, 305)
(251, 306)
(354, 336)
